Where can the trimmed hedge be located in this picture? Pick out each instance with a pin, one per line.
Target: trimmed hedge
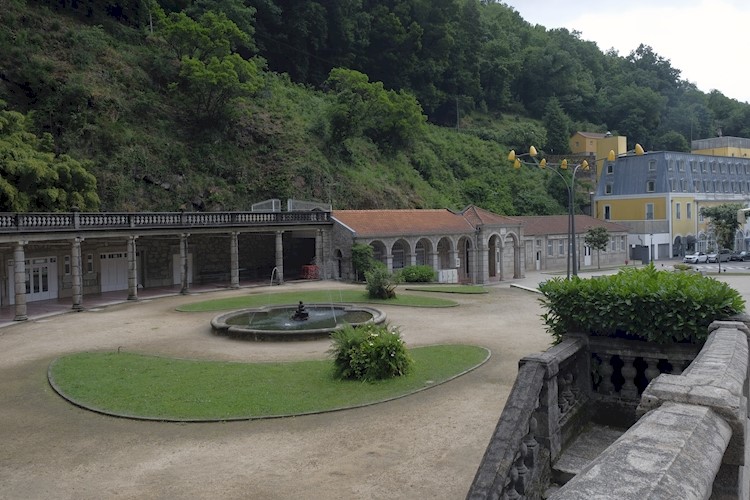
(417, 274)
(642, 303)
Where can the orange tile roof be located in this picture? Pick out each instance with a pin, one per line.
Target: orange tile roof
(479, 216)
(537, 225)
(370, 223)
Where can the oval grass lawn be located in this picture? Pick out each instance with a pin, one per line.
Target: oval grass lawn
(313, 297)
(158, 388)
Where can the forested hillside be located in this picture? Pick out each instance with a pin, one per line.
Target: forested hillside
(215, 105)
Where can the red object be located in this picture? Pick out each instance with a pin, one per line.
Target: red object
(309, 272)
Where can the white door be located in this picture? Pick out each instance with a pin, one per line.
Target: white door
(586, 255)
(41, 279)
(177, 272)
(114, 271)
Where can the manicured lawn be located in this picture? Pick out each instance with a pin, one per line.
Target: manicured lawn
(313, 297)
(469, 289)
(177, 389)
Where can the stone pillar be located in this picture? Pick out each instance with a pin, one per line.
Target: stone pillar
(435, 260)
(19, 271)
(280, 257)
(500, 259)
(234, 256)
(132, 269)
(76, 274)
(319, 261)
(389, 262)
(184, 281)
(518, 267)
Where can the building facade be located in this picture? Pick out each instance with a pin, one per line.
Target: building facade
(659, 196)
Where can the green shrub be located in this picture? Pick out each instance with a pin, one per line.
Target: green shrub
(380, 283)
(369, 352)
(417, 274)
(658, 306)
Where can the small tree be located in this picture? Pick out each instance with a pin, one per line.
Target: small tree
(724, 221)
(362, 259)
(597, 238)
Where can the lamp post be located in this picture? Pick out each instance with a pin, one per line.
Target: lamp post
(572, 260)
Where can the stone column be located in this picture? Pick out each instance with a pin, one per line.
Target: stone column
(319, 261)
(19, 271)
(184, 281)
(280, 257)
(76, 274)
(389, 262)
(518, 267)
(234, 256)
(132, 269)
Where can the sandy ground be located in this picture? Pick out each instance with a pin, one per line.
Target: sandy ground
(427, 445)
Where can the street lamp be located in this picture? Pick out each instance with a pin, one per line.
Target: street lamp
(569, 185)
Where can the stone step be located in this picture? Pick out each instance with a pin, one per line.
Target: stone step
(593, 440)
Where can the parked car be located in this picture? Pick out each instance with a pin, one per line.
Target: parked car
(721, 256)
(740, 256)
(696, 258)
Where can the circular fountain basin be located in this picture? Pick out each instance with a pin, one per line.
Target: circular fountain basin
(277, 323)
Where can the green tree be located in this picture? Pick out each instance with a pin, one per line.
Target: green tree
(557, 124)
(362, 259)
(597, 238)
(724, 222)
(33, 178)
(390, 119)
(211, 74)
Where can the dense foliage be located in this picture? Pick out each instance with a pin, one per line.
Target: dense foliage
(380, 283)
(642, 303)
(417, 274)
(210, 105)
(723, 221)
(369, 353)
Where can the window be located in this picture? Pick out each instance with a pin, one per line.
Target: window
(539, 243)
(670, 165)
(689, 210)
(697, 186)
(713, 167)
(66, 265)
(673, 184)
(607, 212)
(608, 189)
(683, 185)
(722, 168)
(649, 211)
(652, 165)
(622, 243)
(681, 165)
(90, 263)
(677, 213)
(610, 168)
(550, 249)
(613, 244)
(731, 168)
(650, 186)
(561, 247)
(693, 167)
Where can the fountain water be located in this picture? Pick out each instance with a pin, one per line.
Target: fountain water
(274, 272)
(280, 322)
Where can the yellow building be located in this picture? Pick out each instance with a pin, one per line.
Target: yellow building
(597, 145)
(737, 147)
(659, 195)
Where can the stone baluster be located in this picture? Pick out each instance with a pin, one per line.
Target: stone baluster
(606, 371)
(652, 369)
(531, 445)
(569, 390)
(510, 486)
(629, 389)
(523, 471)
(563, 403)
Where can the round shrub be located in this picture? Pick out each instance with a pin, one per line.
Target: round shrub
(417, 274)
(380, 283)
(369, 352)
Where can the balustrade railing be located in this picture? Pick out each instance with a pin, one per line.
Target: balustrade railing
(75, 221)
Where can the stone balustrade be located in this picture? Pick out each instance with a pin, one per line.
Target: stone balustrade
(75, 221)
(691, 440)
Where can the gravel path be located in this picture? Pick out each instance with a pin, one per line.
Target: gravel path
(424, 446)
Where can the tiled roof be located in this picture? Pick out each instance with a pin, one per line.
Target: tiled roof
(538, 225)
(370, 223)
(593, 135)
(479, 216)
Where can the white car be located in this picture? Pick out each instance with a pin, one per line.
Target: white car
(696, 258)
